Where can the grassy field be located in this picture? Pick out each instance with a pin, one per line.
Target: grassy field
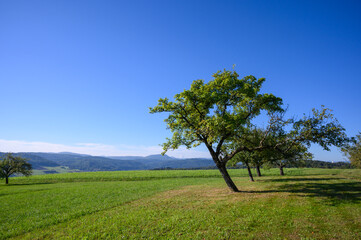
(304, 204)
(59, 169)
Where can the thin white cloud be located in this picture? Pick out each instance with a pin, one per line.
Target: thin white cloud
(96, 149)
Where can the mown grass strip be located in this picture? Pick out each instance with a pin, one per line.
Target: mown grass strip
(167, 174)
(28, 207)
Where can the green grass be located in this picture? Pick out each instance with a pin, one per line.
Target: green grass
(58, 169)
(305, 204)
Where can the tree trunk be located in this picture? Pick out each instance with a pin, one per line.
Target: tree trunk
(258, 171)
(250, 173)
(7, 180)
(227, 178)
(281, 171)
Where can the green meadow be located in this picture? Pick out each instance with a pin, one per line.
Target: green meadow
(182, 204)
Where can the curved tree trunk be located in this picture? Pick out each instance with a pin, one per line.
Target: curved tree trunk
(227, 178)
(281, 171)
(249, 173)
(258, 171)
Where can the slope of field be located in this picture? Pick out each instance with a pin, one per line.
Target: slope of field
(305, 204)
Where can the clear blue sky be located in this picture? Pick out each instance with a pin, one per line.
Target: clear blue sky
(80, 75)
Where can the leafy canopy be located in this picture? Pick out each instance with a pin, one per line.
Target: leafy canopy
(287, 140)
(215, 113)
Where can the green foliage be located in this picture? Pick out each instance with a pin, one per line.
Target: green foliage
(219, 114)
(269, 150)
(242, 157)
(286, 141)
(215, 113)
(291, 146)
(353, 151)
(295, 156)
(323, 164)
(10, 164)
(321, 128)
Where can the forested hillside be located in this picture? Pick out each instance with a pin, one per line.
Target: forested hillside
(71, 162)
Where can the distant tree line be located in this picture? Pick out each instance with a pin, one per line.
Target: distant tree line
(304, 164)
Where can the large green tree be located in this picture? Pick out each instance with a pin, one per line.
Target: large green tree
(10, 164)
(217, 114)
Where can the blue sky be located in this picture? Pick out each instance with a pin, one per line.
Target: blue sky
(80, 75)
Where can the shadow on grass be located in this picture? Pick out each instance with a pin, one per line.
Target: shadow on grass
(287, 179)
(26, 184)
(330, 193)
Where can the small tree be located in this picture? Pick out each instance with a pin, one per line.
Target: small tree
(10, 164)
(245, 158)
(258, 161)
(290, 156)
(353, 151)
(252, 139)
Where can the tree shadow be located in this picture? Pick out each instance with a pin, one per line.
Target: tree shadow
(26, 184)
(330, 193)
(299, 179)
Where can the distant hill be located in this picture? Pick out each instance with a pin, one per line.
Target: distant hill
(147, 158)
(66, 161)
(37, 162)
(70, 162)
(159, 157)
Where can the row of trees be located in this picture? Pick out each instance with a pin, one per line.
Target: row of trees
(220, 114)
(282, 147)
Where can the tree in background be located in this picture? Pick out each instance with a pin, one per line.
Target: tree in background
(216, 114)
(291, 146)
(290, 156)
(10, 164)
(246, 158)
(258, 161)
(253, 138)
(286, 141)
(353, 151)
